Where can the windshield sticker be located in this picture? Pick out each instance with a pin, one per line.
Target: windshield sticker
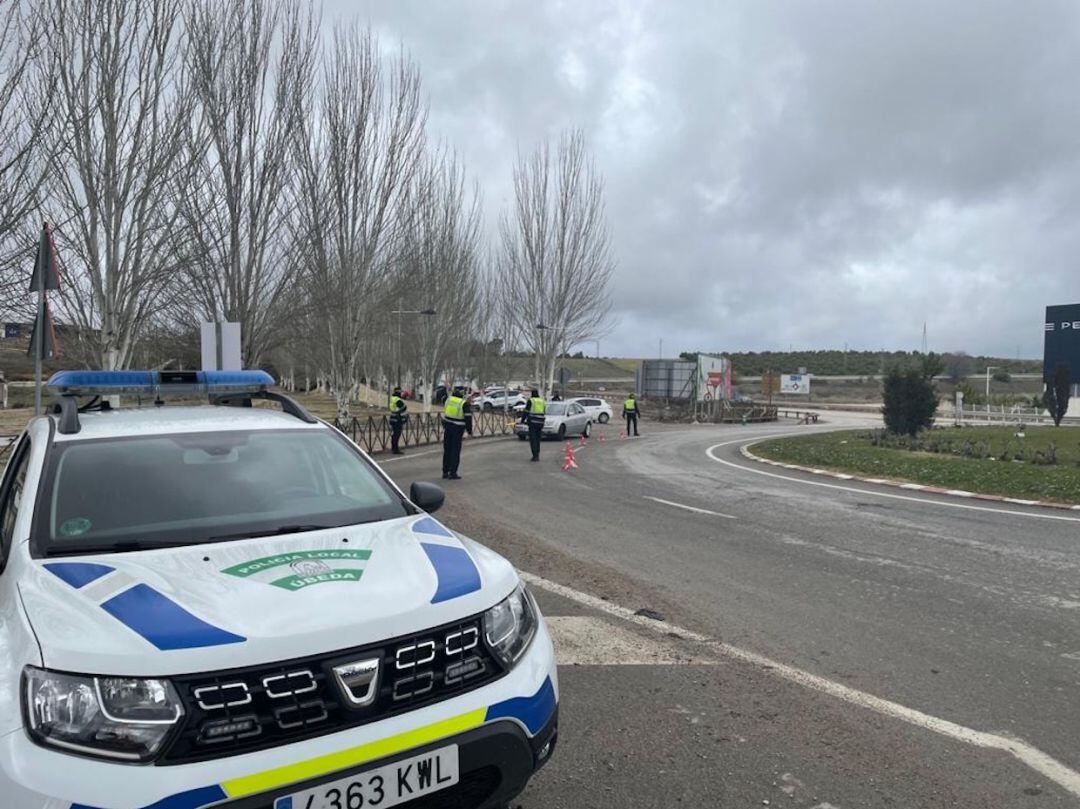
(307, 568)
(75, 527)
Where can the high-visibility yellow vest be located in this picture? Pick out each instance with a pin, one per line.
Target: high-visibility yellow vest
(630, 405)
(454, 409)
(537, 406)
(395, 404)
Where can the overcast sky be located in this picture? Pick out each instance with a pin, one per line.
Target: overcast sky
(795, 173)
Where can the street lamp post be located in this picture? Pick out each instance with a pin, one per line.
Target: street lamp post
(399, 312)
(989, 368)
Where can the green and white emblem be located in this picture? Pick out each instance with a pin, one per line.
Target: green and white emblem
(307, 568)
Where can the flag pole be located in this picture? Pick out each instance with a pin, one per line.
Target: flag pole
(39, 325)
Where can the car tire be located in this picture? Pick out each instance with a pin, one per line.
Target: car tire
(488, 407)
(562, 432)
(603, 418)
(587, 430)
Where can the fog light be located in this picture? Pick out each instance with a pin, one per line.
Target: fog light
(545, 751)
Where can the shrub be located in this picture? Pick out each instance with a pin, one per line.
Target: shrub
(1056, 397)
(910, 402)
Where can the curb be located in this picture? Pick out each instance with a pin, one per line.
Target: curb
(899, 484)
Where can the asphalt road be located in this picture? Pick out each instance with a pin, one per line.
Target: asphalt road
(965, 617)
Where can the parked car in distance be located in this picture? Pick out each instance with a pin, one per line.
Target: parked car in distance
(597, 409)
(498, 399)
(561, 419)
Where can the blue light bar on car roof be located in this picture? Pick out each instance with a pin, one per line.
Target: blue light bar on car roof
(157, 383)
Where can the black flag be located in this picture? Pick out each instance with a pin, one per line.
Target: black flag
(49, 349)
(46, 263)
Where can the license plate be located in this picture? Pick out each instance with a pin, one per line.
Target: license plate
(383, 786)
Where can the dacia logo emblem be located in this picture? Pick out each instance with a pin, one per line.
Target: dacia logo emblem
(359, 681)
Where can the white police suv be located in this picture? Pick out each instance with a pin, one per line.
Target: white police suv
(228, 605)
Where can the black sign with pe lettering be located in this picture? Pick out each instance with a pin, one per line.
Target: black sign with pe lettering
(1062, 340)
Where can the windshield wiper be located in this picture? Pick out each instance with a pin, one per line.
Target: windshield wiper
(273, 532)
(116, 546)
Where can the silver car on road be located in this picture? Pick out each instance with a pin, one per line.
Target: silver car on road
(561, 419)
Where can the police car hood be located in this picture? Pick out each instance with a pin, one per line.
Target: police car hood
(218, 606)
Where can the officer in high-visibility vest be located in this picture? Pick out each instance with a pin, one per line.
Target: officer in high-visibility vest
(630, 412)
(398, 417)
(457, 420)
(535, 410)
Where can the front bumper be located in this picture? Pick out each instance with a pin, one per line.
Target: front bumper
(547, 431)
(501, 729)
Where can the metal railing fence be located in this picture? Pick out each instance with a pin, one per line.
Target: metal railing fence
(372, 433)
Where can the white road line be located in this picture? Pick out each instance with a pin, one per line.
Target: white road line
(1067, 778)
(409, 455)
(868, 492)
(695, 509)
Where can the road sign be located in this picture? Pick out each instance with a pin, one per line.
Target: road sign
(795, 383)
(770, 384)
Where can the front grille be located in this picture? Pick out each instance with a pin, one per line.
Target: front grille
(240, 710)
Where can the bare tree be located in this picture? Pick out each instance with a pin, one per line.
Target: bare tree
(26, 138)
(438, 259)
(358, 155)
(126, 109)
(556, 248)
(250, 62)
(26, 81)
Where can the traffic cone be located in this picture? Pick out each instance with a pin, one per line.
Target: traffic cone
(582, 442)
(622, 434)
(568, 458)
(601, 439)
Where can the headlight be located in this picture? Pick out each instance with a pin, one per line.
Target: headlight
(110, 717)
(509, 626)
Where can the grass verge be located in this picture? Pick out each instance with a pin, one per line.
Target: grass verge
(974, 459)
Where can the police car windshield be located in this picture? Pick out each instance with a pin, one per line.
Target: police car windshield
(146, 491)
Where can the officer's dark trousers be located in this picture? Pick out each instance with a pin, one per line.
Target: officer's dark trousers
(536, 432)
(451, 447)
(395, 433)
(631, 423)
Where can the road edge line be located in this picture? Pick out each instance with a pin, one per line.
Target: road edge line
(1029, 755)
(898, 484)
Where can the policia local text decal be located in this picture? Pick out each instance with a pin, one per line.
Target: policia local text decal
(308, 568)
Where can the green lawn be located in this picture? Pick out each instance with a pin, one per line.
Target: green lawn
(853, 451)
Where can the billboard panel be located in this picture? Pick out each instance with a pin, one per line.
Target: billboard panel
(795, 383)
(1062, 340)
(665, 379)
(713, 378)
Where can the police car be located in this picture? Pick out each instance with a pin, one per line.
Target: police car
(229, 605)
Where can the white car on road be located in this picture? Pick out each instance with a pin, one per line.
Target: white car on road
(499, 399)
(597, 409)
(228, 606)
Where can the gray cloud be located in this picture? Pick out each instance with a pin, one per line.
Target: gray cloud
(781, 173)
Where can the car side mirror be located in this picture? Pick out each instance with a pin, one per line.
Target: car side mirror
(427, 495)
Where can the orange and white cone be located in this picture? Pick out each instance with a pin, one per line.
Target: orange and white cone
(568, 458)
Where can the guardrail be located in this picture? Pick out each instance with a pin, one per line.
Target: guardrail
(802, 416)
(998, 414)
(373, 432)
(724, 412)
